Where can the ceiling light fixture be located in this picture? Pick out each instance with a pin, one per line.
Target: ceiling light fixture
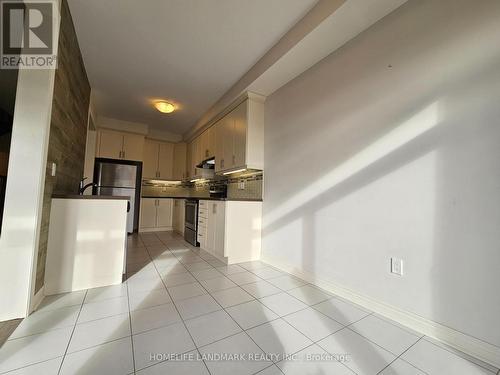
(164, 107)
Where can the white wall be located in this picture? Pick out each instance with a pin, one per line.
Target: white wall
(24, 191)
(390, 147)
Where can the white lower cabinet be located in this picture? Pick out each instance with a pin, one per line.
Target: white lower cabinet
(178, 216)
(156, 214)
(211, 219)
(230, 230)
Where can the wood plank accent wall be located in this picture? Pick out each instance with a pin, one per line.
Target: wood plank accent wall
(68, 129)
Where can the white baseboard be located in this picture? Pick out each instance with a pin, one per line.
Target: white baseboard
(37, 299)
(470, 345)
(159, 229)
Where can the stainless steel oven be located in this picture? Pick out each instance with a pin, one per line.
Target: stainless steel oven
(191, 221)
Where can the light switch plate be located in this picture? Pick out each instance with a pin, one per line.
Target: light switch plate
(397, 266)
(53, 169)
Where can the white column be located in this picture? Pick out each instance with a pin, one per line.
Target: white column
(24, 192)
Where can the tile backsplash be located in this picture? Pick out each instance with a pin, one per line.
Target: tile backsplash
(245, 187)
(241, 187)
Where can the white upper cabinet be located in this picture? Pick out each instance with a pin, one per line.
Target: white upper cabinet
(119, 145)
(110, 144)
(236, 140)
(206, 144)
(150, 159)
(180, 153)
(166, 161)
(158, 160)
(239, 137)
(133, 145)
(193, 157)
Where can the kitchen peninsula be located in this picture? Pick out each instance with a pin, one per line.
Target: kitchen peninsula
(87, 242)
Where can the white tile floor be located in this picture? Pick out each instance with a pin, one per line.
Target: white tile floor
(181, 310)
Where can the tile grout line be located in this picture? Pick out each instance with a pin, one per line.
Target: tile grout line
(344, 326)
(398, 357)
(30, 364)
(313, 342)
(180, 316)
(242, 330)
(256, 299)
(130, 315)
(445, 347)
(278, 317)
(197, 347)
(332, 296)
(72, 332)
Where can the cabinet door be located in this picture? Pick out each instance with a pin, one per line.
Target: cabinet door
(219, 144)
(176, 215)
(189, 160)
(203, 146)
(228, 137)
(180, 161)
(150, 159)
(182, 208)
(211, 141)
(164, 212)
(166, 161)
(219, 228)
(133, 146)
(110, 144)
(194, 157)
(148, 213)
(239, 135)
(211, 226)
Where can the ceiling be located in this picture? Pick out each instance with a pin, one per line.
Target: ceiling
(189, 52)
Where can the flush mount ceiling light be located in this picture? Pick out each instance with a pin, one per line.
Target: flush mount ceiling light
(164, 106)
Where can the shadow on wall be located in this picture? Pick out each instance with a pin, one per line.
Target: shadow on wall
(389, 147)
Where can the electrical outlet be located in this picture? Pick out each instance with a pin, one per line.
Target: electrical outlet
(397, 266)
(53, 169)
(241, 185)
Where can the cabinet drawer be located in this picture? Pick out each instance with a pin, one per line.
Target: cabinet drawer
(203, 204)
(202, 221)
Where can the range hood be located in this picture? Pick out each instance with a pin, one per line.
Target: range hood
(207, 164)
(205, 170)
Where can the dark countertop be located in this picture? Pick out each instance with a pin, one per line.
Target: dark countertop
(76, 196)
(206, 198)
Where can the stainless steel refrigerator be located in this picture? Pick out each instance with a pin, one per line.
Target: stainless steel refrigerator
(120, 178)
